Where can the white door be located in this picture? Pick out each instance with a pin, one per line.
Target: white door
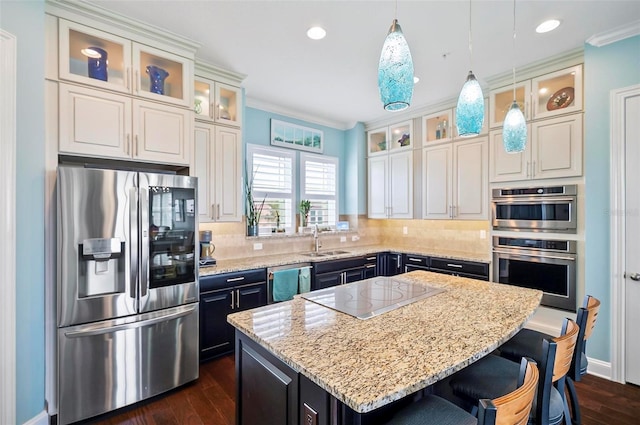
(436, 183)
(228, 164)
(632, 239)
(470, 179)
(378, 186)
(401, 184)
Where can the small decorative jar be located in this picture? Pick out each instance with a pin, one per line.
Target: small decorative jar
(157, 76)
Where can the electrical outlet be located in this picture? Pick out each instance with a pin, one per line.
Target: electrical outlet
(355, 238)
(483, 234)
(310, 415)
(405, 230)
(343, 238)
(257, 246)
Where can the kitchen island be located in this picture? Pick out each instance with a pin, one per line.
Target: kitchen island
(298, 359)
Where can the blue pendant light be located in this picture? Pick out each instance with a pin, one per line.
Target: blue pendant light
(470, 109)
(514, 129)
(395, 71)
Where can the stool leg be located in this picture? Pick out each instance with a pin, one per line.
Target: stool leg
(575, 406)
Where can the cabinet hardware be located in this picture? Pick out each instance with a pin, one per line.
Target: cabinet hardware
(533, 169)
(238, 298)
(454, 211)
(232, 299)
(369, 266)
(414, 259)
(211, 109)
(128, 143)
(398, 262)
(371, 258)
(217, 211)
(458, 266)
(213, 214)
(235, 279)
(527, 169)
(136, 146)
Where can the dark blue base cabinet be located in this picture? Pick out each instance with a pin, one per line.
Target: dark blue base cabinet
(269, 391)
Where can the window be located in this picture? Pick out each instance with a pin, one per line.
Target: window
(273, 180)
(319, 181)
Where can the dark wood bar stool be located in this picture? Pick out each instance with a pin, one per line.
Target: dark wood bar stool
(510, 409)
(494, 375)
(527, 342)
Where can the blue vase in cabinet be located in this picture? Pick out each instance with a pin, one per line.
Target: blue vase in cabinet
(97, 63)
(157, 76)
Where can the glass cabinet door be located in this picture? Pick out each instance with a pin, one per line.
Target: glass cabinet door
(162, 76)
(400, 136)
(500, 101)
(377, 141)
(228, 104)
(202, 100)
(93, 57)
(172, 219)
(436, 127)
(557, 93)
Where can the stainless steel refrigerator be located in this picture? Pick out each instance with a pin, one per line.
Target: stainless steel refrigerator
(127, 295)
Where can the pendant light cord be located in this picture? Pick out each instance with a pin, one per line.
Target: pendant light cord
(470, 44)
(514, 50)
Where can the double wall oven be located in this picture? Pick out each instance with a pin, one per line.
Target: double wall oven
(546, 262)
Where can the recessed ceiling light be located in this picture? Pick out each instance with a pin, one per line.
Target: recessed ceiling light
(316, 33)
(548, 25)
(415, 80)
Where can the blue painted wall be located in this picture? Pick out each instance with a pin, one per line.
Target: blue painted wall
(25, 20)
(609, 67)
(355, 170)
(339, 143)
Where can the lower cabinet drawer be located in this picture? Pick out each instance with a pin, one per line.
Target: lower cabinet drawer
(462, 268)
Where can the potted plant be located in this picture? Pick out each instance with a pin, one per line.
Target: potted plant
(304, 208)
(252, 210)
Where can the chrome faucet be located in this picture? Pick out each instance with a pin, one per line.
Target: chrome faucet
(316, 240)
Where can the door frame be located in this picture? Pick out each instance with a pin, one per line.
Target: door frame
(8, 63)
(618, 98)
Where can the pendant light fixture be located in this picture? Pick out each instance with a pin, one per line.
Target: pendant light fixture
(395, 70)
(470, 109)
(514, 129)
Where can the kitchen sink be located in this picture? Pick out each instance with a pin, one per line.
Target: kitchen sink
(337, 252)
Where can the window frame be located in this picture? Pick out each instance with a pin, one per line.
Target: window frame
(304, 157)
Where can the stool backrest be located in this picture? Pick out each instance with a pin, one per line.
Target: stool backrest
(586, 320)
(592, 305)
(512, 408)
(565, 347)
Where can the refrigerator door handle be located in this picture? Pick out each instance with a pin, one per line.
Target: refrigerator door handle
(133, 242)
(144, 242)
(107, 329)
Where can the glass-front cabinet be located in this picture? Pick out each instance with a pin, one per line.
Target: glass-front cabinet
(437, 127)
(557, 93)
(104, 60)
(217, 102)
(500, 101)
(390, 139)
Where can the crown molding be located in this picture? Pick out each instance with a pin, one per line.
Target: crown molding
(204, 69)
(616, 34)
(287, 112)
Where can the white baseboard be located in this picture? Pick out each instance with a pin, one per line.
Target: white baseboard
(599, 368)
(41, 418)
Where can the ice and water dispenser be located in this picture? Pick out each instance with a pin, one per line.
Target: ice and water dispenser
(102, 267)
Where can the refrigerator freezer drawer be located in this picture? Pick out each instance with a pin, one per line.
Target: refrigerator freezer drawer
(102, 368)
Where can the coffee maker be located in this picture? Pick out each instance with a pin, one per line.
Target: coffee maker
(206, 249)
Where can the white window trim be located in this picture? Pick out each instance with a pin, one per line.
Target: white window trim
(7, 226)
(268, 150)
(326, 159)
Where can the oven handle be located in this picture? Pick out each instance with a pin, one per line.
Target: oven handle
(508, 201)
(519, 254)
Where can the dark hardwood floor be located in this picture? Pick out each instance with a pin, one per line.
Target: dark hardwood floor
(210, 401)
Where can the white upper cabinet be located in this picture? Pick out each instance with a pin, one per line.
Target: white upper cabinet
(557, 93)
(554, 150)
(500, 101)
(217, 102)
(104, 60)
(437, 127)
(390, 139)
(455, 180)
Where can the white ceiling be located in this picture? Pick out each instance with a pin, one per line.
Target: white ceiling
(334, 81)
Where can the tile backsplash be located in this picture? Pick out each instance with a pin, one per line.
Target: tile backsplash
(447, 235)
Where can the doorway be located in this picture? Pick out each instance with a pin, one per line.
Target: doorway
(625, 233)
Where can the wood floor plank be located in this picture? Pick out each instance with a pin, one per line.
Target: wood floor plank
(211, 401)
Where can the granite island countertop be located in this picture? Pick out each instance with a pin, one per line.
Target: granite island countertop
(264, 261)
(366, 364)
